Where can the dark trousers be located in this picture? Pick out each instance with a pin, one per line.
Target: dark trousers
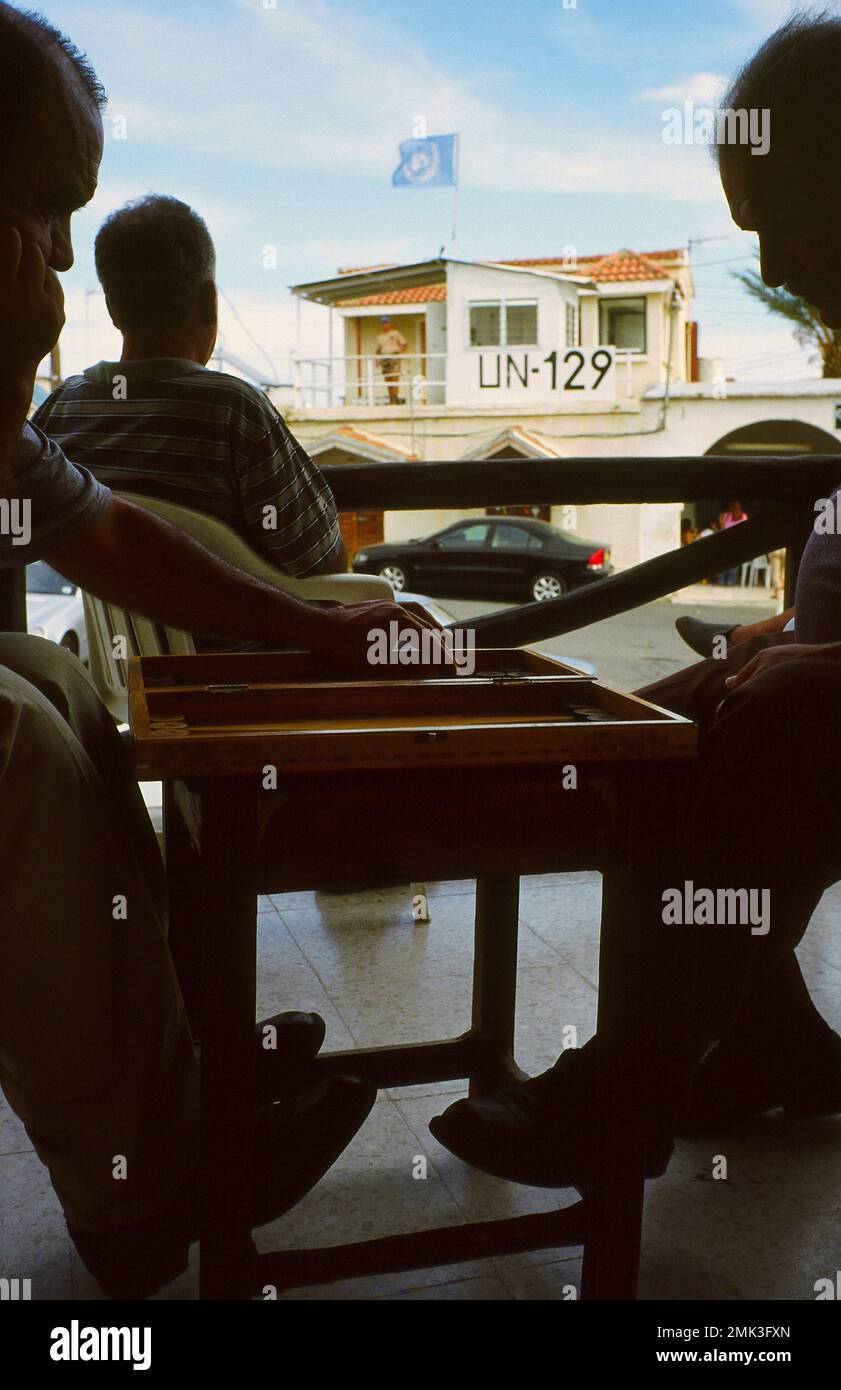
(760, 810)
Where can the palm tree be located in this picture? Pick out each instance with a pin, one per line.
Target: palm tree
(811, 331)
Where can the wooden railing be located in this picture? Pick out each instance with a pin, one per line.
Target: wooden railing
(785, 488)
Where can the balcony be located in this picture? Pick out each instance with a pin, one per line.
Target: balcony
(429, 382)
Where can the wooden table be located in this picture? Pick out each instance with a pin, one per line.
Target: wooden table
(395, 781)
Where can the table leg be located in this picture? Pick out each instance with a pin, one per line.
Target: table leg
(229, 976)
(186, 906)
(495, 980)
(614, 1202)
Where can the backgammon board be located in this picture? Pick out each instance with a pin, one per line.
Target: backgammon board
(233, 713)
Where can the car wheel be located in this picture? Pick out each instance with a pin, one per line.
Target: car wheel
(71, 642)
(397, 576)
(547, 585)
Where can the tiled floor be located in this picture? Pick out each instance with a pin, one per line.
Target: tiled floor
(769, 1231)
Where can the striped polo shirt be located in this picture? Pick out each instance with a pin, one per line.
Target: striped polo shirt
(172, 429)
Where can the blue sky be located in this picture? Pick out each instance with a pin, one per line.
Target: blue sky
(281, 125)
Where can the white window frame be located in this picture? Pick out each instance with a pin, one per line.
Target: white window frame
(502, 304)
(572, 319)
(609, 300)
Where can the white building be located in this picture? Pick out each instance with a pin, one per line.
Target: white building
(591, 356)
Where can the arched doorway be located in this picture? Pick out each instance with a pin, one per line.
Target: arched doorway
(785, 438)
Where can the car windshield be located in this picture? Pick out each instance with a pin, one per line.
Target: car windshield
(41, 578)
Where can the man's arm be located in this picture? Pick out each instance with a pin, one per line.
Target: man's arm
(133, 558)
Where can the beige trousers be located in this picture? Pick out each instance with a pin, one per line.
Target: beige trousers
(95, 1051)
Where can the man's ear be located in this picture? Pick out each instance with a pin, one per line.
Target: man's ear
(208, 304)
(111, 313)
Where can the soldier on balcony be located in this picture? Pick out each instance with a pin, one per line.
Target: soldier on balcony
(391, 345)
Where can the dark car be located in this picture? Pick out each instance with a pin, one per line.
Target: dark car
(516, 556)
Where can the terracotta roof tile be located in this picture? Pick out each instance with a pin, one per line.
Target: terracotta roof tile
(413, 294)
(614, 266)
(617, 265)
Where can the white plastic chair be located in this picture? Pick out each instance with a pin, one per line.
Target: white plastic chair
(756, 571)
(143, 637)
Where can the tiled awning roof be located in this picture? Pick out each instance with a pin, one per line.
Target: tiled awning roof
(413, 294)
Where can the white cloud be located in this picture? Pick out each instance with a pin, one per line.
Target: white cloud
(316, 86)
(221, 217)
(699, 86)
(768, 14)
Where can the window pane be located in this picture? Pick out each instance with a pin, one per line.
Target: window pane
(571, 325)
(484, 325)
(465, 535)
(623, 324)
(509, 538)
(520, 324)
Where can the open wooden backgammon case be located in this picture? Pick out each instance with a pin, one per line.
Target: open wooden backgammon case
(232, 713)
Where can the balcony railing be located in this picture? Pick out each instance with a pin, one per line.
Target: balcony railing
(358, 379)
(321, 383)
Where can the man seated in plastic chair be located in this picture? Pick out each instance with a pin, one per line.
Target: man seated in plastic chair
(160, 423)
(96, 1053)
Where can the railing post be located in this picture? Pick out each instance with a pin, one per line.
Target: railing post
(410, 397)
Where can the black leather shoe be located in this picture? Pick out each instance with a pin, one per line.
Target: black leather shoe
(736, 1082)
(282, 1068)
(699, 635)
(543, 1132)
(295, 1143)
(299, 1139)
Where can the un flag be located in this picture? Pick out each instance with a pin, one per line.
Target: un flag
(429, 163)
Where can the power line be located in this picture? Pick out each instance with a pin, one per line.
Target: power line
(728, 260)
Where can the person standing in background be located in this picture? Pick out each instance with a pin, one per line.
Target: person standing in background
(391, 346)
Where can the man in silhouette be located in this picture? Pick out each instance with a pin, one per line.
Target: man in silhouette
(728, 1029)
